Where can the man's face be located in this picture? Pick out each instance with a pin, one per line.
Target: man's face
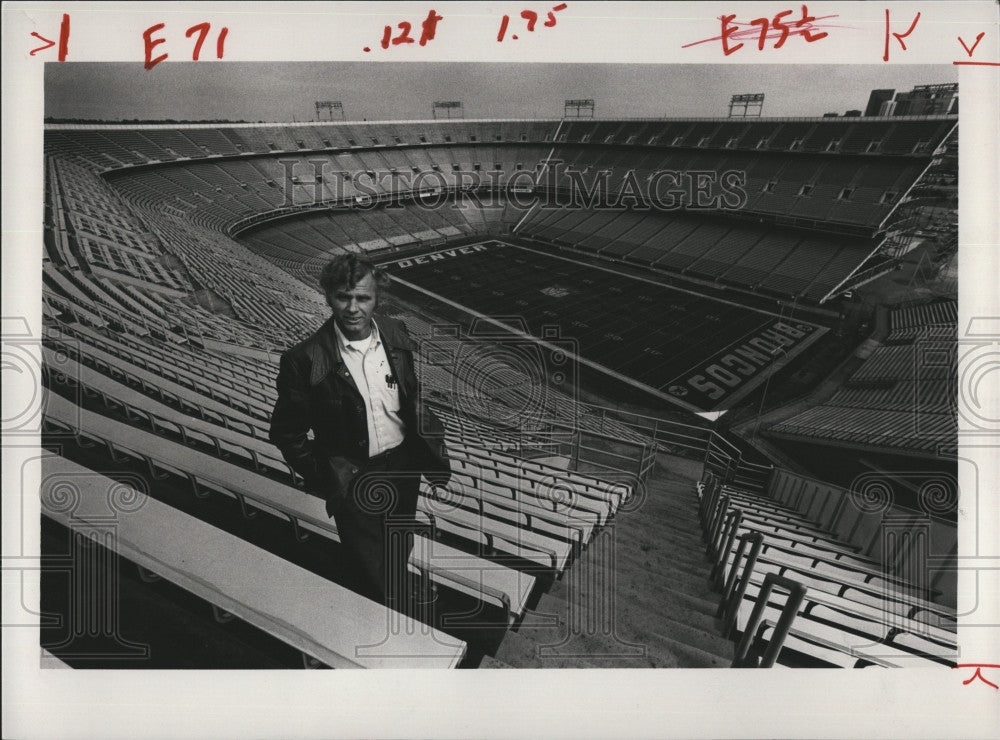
(353, 307)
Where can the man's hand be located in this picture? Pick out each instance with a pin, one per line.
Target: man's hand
(339, 482)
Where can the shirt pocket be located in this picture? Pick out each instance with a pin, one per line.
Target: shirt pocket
(388, 395)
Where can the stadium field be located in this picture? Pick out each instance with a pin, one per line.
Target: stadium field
(699, 352)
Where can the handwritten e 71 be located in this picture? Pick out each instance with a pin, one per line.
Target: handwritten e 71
(202, 31)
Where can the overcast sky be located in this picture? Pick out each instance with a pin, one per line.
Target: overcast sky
(267, 91)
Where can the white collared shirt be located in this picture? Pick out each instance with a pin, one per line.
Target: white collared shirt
(369, 366)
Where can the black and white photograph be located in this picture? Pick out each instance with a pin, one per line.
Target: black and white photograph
(497, 368)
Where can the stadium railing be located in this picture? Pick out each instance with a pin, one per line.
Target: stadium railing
(850, 611)
(603, 451)
(824, 557)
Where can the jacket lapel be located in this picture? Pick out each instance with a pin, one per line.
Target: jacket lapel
(389, 341)
(396, 342)
(326, 358)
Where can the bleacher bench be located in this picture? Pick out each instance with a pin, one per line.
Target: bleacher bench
(318, 617)
(490, 582)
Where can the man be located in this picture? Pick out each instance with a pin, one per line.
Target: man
(353, 384)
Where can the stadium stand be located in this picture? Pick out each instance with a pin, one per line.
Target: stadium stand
(180, 260)
(845, 176)
(848, 610)
(328, 626)
(222, 473)
(902, 398)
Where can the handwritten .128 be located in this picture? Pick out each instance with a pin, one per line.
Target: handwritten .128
(532, 18)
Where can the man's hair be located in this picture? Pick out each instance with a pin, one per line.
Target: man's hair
(349, 269)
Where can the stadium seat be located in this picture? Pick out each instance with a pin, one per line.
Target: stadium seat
(492, 582)
(179, 262)
(328, 623)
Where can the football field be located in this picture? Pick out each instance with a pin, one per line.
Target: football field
(700, 352)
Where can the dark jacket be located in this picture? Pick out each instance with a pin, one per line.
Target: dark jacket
(316, 392)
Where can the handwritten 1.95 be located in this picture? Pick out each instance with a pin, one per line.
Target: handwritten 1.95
(532, 18)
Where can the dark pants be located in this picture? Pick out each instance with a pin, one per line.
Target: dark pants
(377, 524)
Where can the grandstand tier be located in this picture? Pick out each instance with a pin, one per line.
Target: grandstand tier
(902, 398)
(819, 176)
(180, 260)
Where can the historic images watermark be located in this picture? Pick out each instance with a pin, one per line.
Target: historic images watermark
(315, 183)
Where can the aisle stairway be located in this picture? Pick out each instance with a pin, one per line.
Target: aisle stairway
(639, 595)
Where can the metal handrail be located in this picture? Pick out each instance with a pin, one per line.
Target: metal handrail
(638, 464)
(710, 496)
(735, 584)
(744, 657)
(731, 530)
(716, 516)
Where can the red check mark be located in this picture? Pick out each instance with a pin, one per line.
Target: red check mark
(965, 46)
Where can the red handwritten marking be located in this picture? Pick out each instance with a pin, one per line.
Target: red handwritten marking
(49, 43)
(899, 36)
(978, 674)
(503, 27)
(428, 28)
(150, 43)
(402, 38)
(978, 64)
(201, 29)
(965, 46)
(781, 28)
(775, 28)
(729, 30)
(64, 38)
(532, 19)
(221, 43)
(63, 50)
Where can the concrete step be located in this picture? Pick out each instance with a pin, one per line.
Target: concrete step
(621, 643)
(656, 591)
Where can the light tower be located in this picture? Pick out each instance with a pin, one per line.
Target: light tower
(329, 106)
(749, 105)
(579, 108)
(448, 109)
